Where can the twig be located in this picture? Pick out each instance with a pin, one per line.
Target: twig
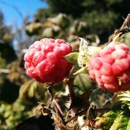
(71, 95)
(101, 110)
(52, 98)
(13, 6)
(70, 88)
(58, 107)
(122, 30)
(125, 21)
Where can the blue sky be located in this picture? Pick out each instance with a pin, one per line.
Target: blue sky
(12, 8)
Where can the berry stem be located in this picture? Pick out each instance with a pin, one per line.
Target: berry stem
(70, 87)
(52, 97)
(58, 107)
(72, 96)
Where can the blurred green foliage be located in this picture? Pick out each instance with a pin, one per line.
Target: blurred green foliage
(102, 17)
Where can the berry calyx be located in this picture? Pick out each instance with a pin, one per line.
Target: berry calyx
(45, 60)
(110, 67)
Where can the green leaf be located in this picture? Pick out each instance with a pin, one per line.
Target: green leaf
(82, 83)
(117, 118)
(32, 89)
(128, 125)
(83, 70)
(125, 38)
(124, 96)
(106, 120)
(120, 122)
(59, 87)
(72, 57)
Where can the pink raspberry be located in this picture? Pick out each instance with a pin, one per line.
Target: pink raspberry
(45, 60)
(110, 67)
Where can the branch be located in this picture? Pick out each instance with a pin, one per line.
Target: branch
(14, 7)
(127, 19)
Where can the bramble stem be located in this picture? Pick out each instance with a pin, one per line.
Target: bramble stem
(58, 107)
(123, 29)
(101, 110)
(125, 21)
(70, 86)
(52, 97)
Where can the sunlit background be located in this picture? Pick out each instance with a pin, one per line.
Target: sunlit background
(15, 11)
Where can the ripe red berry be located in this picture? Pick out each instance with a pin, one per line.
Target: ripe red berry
(45, 60)
(110, 67)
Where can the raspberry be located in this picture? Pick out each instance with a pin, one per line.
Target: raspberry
(45, 60)
(110, 67)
